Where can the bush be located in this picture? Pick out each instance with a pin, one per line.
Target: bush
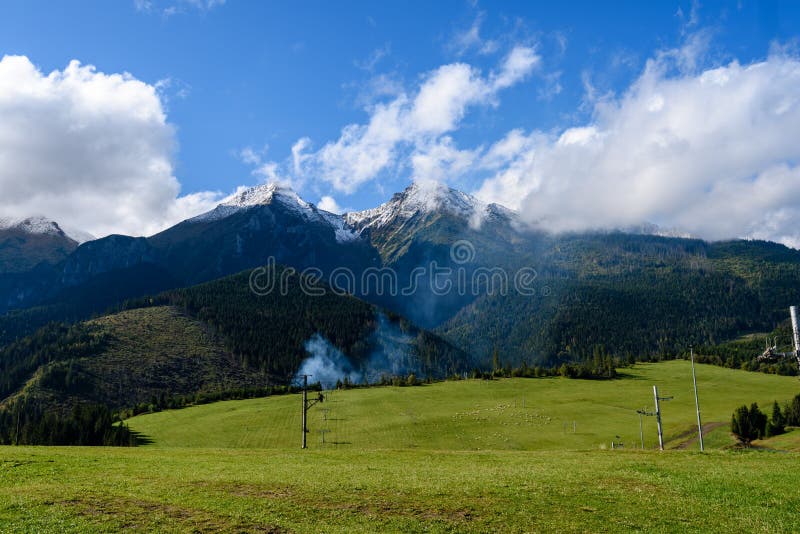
(748, 424)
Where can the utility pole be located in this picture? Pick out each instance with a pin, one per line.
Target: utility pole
(305, 408)
(641, 429)
(697, 402)
(795, 333)
(658, 417)
(643, 413)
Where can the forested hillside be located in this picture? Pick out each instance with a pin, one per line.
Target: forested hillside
(640, 297)
(216, 340)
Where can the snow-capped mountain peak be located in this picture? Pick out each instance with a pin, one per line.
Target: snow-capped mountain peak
(277, 194)
(31, 225)
(264, 194)
(249, 197)
(421, 198)
(38, 225)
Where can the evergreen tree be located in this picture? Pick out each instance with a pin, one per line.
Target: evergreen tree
(792, 413)
(748, 424)
(777, 421)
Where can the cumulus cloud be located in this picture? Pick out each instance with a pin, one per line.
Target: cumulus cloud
(329, 203)
(412, 122)
(440, 161)
(713, 152)
(90, 150)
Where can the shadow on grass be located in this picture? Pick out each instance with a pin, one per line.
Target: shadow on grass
(141, 439)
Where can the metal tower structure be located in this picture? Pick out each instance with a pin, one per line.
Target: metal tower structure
(772, 354)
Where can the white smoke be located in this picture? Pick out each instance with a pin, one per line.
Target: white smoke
(394, 353)
(326, 364)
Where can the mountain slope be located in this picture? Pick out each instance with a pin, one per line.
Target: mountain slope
(25, 243)
(268, 221)
(436, 228)
(209, 339)
(637, 295)
(259, 223)
(134, 355)
(396, 225)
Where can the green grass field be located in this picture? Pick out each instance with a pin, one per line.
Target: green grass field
(468, 456)
(507, 414)
(240, 490)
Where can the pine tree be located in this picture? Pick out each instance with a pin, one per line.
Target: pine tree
(748, 424)
(777, 421)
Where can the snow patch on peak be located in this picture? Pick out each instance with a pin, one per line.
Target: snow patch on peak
(423, 197)
(31, 225)
(274, 193)
(246, 197)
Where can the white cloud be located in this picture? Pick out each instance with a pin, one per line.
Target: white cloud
(298, 155)
(250, 156)
(441, 161)
(328, 203)
(93, 151)
(516, 67)
(374, 58)
(410, 124)
(444, 97)
(470, 39)
(712, 152)
(167, 8)
(362, 151)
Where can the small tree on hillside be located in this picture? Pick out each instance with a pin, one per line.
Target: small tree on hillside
(792, 413)
(777, 421)
(748, 424)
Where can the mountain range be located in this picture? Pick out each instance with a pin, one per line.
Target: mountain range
(633, 293)
(431, 283)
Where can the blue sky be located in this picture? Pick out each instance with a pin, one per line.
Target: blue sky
(241, 82)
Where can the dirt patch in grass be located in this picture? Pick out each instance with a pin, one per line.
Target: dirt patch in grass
(378, 506)
(707, 428)
(384, 508)
(257, 491)
(138, 514)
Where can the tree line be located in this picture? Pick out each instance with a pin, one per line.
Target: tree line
(749, 423)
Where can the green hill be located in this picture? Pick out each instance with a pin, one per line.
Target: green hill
(216, 340)
(510, 414)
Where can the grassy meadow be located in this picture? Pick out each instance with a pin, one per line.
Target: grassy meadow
(248, 490)
(468, 456)
(506, 414)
